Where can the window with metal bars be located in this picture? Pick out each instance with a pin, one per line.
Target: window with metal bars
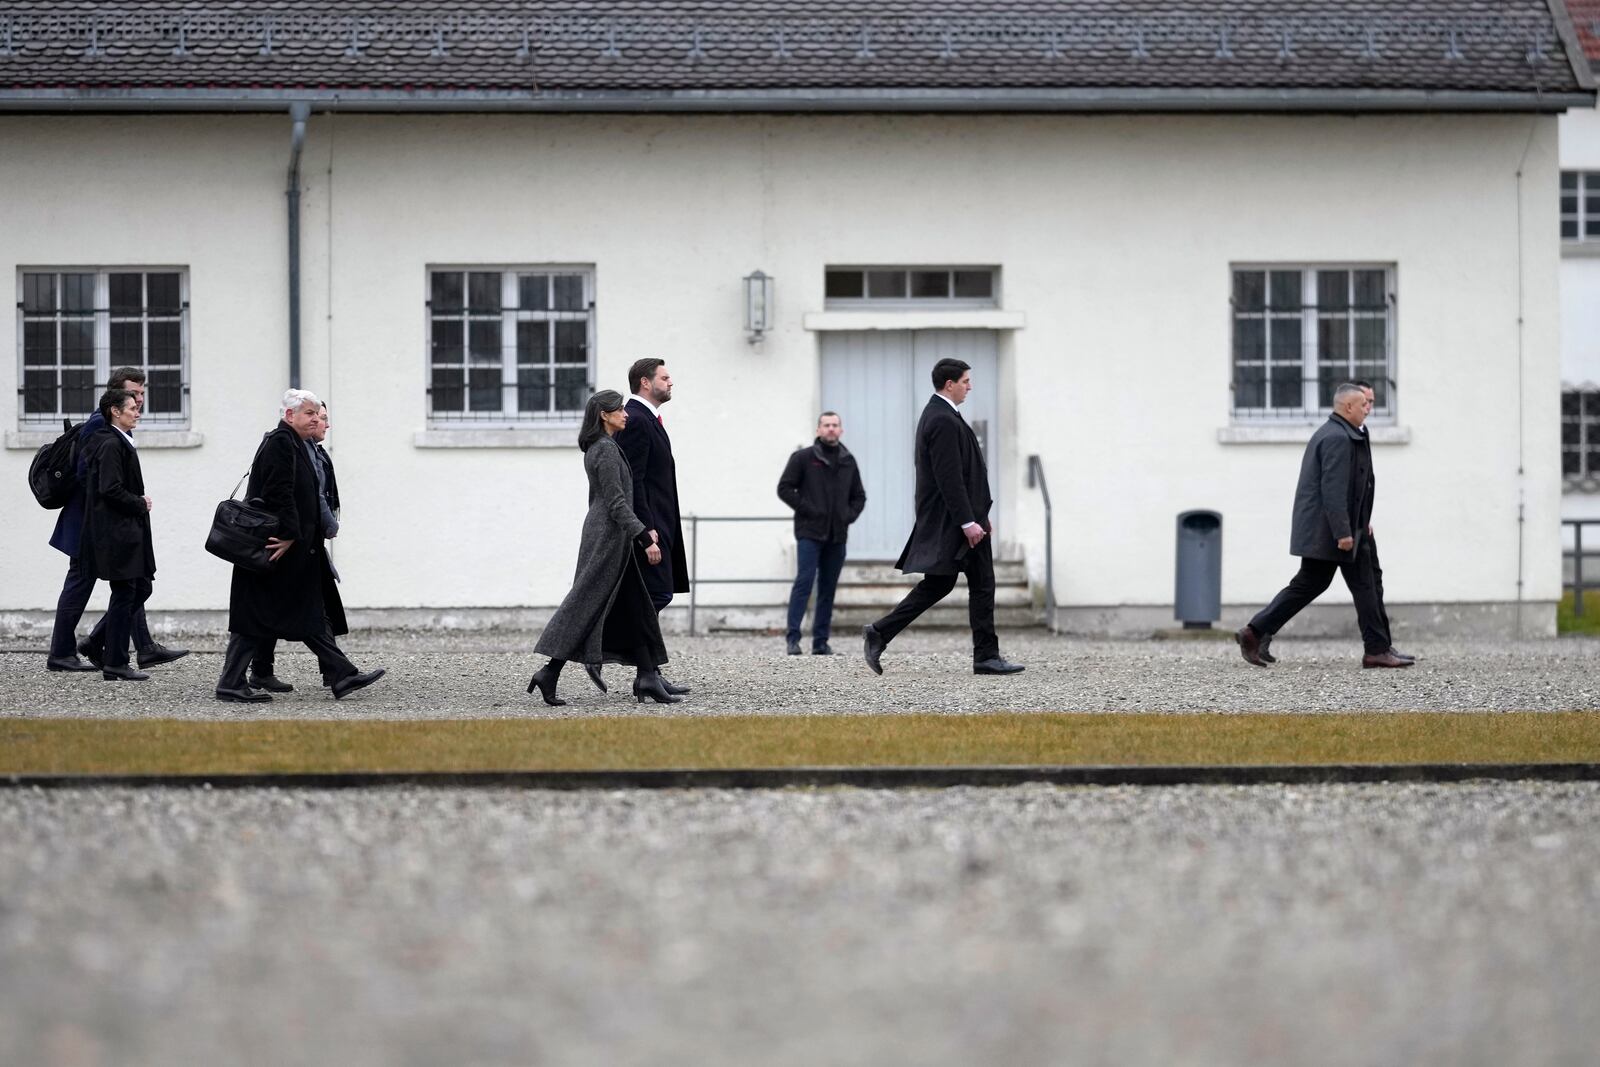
(1580, 439)
(75, 325)
(1580, 205)
(509, 345)
(1300, 331)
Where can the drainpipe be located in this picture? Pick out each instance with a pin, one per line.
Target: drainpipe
(299, 112)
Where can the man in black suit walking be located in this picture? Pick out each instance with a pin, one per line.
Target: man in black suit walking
(1332, 516)
(952, 531)
(648, 450)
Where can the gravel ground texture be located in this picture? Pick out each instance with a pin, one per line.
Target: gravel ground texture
(1373, 924)
(484, 675)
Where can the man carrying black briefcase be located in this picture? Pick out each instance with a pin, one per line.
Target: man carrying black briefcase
(286, 602)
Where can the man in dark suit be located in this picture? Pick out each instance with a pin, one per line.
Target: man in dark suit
(1369, 544)
(117, 546)
(79, 585)
(952, 531)
(823, 485)
(1332, 513)
(287, 602)
(648, 450)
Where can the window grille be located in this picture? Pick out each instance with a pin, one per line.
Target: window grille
(1300, 331)
(1580, 205)
(75, 325)
(1580, 438)
(509, 345)
(919, 286)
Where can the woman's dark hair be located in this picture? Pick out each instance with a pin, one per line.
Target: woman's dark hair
(111, 400)
(948, 370)
(606, 400)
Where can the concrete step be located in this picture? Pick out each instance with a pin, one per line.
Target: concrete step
(1006, 572)
(847, 621)
(886, 596)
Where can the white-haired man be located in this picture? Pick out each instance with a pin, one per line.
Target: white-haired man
(290, 601)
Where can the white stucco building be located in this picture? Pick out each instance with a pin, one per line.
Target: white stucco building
(1157, 264)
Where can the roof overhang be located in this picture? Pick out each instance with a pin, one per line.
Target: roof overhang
(833, 100)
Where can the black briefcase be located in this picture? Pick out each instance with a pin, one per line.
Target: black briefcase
(239, 533)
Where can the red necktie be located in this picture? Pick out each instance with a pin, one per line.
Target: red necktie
(661, 422)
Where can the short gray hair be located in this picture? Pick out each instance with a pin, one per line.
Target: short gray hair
(1346, 389)
(297, 398)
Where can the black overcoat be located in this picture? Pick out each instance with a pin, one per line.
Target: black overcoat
(823, 486)
(1333, 498)
(952, 490)
(116, 543)
(291, 600)
(648, 449)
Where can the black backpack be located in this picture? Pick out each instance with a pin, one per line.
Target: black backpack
(53, 474)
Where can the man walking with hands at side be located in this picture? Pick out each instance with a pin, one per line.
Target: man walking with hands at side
(823, 486)
(952, 530)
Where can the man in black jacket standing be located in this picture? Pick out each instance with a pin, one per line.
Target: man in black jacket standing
(823, 486)
(1332, 513)
(952, 529)
(117, 546)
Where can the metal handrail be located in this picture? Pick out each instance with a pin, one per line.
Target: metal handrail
(1576, 554)
(694, 557)
(1036, 480)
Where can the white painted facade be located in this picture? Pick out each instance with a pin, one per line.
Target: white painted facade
(1113, 235)
(1580, 296)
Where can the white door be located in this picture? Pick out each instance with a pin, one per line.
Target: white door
(879, 381)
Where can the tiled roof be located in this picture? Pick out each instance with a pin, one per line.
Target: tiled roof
(1586, 20)
(1464, 46)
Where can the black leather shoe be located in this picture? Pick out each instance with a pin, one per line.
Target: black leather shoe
(998, 665)
(873, 644)
(650, 685)
(1397, 654)
(1384, 659)
(545, 682)
(1250, 645)
(243, 696)
(94, 655)
(123, 674)
(593, 671)
(823, 649)
(350, 683)
(793, 647)
(1261, 649)
(271, 683)
(675, 690)
(157, 654)
(69, 663)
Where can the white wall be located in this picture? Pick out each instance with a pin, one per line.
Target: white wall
(1114, 234)
(1580, 295)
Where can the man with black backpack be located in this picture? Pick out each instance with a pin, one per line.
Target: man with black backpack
(76, 590)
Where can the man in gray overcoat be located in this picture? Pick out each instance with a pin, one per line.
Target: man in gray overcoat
(1332, 513)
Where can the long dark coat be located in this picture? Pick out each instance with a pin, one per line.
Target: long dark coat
(606, 560)
(116, 543)
(290, 601)
(332, 602)
(68, 534)
(952, 490)
(1334, 496)
(823, 486)
(648, 449)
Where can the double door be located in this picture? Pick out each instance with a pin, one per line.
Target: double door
(879, 381)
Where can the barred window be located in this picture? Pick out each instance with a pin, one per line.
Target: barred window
(1580, 438)
(76, 325)
(509, 345)
(1300, 331)
(1580, 205)
(847, 287)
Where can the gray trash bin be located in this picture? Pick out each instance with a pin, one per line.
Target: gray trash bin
(1197, 600)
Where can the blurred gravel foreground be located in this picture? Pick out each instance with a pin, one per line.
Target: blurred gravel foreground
(1337, 924)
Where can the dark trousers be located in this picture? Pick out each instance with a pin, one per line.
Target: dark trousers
(978, 566)
(263, 661)
(1313, 580)
(75, 593)
(242, 650)
(1370, 546)
(819, 564)
(127, 597)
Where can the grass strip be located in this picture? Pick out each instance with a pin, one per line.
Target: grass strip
(185, 747)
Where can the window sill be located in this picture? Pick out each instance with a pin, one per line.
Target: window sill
(822, 321)
(501, 437)
(31, 440)
(1589, 249)
(1300, 433)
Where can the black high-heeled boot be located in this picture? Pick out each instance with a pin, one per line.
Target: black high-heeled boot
(593, 671)
(544, 679)
(649, 685)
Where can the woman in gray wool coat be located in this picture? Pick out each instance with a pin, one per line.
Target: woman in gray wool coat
(607, 617)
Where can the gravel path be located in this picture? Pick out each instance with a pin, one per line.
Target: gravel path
(483, 676)
(1263, 925)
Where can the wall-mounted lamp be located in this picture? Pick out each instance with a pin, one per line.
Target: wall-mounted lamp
(758, 295)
